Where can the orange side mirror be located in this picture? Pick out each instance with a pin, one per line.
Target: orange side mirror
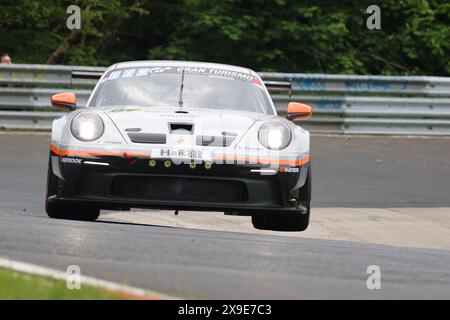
(298, 111)
(65, 101)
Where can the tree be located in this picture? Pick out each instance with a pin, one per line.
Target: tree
(272, 35)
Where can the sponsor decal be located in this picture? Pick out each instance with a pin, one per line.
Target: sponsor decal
(159, 69)
(126, 109)
(192, 154)
(128, 73)
(178, 117)
(217, 72)
(114, 75)
(289, 169)
(181, 154)
(142, 72)
(72, 160)
(257, 82)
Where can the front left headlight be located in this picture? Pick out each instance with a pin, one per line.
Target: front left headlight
(275, 135)
(87, 126)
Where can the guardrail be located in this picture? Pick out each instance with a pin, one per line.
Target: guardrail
(342, 103)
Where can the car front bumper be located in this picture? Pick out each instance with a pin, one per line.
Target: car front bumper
(112, 182)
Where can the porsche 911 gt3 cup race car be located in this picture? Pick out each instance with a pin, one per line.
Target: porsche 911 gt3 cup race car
(180, 136)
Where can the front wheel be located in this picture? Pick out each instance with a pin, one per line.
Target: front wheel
(71, 212)
(64, 211)
(297, 221)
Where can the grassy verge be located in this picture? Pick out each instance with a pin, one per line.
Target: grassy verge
(14, 286)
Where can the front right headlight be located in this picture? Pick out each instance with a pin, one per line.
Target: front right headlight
(275, 135)
(87, 126)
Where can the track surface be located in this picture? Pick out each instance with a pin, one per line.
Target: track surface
(357, 172)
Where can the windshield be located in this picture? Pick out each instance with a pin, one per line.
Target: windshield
(203, 88)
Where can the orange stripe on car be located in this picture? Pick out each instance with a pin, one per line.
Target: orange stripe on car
(299, 162)
(81, 153)
(306, 159)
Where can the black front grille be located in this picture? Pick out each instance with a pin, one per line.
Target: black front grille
(179, 189)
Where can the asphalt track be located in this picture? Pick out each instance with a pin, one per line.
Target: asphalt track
(356, 172)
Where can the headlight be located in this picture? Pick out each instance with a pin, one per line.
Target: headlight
(87, 126)
(275, 135)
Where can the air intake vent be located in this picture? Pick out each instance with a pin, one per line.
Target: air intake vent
(179, 189)
(214, 141)
(181, 128)
(155, 138)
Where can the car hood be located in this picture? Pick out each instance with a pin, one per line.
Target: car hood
(206, 122)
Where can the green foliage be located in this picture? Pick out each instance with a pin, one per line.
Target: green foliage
(271, 35)
(16, 286)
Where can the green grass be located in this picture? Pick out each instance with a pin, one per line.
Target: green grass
(15, 286)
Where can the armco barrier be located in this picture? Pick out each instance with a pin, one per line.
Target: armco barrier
(342, 103)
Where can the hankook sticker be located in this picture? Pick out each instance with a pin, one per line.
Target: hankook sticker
(72, 160)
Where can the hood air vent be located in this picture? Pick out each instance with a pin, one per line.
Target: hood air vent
(181, 128)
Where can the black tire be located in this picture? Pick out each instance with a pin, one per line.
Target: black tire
(72, 212)
(281, 221)
(288, 221)
(63, 211)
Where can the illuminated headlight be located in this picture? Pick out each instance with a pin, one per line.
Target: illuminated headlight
(275, 135)
(87, 126)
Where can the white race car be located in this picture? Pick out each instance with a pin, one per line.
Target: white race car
(180, 136)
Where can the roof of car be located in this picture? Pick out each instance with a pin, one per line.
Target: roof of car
(171, 63)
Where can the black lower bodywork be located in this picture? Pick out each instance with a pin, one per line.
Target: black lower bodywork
(136, 183)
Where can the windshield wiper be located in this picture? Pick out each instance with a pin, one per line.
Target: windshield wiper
(180, 99)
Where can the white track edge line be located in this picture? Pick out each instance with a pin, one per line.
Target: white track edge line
(33, 269)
